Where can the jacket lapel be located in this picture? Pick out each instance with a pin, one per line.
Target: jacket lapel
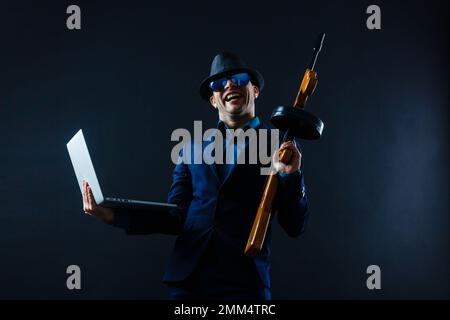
(242, 150)
(211, 164)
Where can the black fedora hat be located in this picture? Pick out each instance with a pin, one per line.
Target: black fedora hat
(226, 63)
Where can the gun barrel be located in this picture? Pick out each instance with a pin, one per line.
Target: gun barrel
(316, 50)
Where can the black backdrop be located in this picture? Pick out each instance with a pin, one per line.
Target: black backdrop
(377, 181)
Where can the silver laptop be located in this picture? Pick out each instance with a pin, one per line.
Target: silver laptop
(84, 170)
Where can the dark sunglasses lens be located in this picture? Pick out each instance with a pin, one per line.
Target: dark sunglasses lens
(218, 85)
(240, 79)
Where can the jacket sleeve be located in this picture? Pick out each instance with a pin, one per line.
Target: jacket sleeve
(172, 222)
(292, 203)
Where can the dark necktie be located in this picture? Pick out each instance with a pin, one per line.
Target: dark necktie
(230, 151)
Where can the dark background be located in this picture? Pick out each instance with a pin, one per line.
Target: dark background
(377, 181)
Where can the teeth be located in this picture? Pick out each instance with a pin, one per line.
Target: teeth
(233, 95)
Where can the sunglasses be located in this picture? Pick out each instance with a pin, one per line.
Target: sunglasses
(240, 79)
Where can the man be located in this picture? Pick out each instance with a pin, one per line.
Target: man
(217, 203)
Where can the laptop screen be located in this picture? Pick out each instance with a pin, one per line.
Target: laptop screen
(82, 165)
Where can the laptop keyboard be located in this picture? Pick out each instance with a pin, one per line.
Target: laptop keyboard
(118, 200)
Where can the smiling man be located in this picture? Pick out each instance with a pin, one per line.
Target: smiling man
(217, 203)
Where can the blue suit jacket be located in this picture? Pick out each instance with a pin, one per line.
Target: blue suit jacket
(209, 208)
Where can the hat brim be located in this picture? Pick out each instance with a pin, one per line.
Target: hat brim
(255, 77)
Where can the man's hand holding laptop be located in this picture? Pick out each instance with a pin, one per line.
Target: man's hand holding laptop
(91, 208)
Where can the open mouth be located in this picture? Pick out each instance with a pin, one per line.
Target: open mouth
(233, 96)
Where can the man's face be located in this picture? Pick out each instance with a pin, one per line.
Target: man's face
(235, 100)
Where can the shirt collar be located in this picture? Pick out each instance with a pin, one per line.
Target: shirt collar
(252, 123)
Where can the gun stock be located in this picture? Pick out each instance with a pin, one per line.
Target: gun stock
(262, 219)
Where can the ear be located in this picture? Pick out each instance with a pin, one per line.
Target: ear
(212, 100)
(256, 91)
